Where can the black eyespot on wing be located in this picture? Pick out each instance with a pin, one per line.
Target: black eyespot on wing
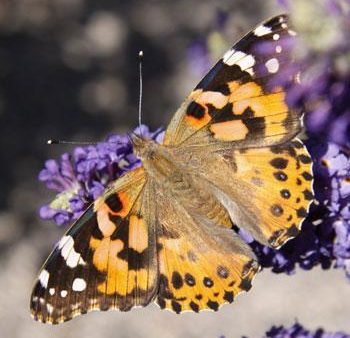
(176, 280)
(208, 282)
(213, 305)
(196, 110)
(176, 306)
(189, 279)
(279, 163)
(114, 203)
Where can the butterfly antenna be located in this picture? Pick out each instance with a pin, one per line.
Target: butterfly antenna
(54, 141)
(140, 96)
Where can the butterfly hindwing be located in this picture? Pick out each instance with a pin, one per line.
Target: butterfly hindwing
(236, 101)
(107, 259)
(267, 191)
(202, 264)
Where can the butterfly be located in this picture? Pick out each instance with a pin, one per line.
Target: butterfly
(163, 232)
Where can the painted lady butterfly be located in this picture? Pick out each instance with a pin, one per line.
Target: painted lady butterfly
(163, 231)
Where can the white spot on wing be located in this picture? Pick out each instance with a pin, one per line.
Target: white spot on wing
(291, 32)
(250, 71)
(284, 25)
(247, 62)
(71, 257)
(243, 60)
(64, 293)
(78, 284)
(276, 37)
(51, 291)
(278, 49)
(44, 278)
(231, 57)
(272, 65)
(262, 30)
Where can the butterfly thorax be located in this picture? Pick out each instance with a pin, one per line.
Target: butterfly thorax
(159, 162)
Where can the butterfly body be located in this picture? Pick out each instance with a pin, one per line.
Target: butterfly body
(163, 232)
(176, 179)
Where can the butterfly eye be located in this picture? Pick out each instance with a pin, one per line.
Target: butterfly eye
(152, 155)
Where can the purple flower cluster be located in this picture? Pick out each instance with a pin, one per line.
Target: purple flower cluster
(338, 202)
(298, 331)
(82, 177)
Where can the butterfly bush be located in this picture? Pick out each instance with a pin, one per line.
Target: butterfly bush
(298, 331)
(81, 177)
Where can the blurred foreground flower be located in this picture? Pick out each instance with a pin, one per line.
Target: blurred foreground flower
(81, 178)
(298, 331)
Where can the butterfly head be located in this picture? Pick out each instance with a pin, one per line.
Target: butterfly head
(143, 148)
(156, 158)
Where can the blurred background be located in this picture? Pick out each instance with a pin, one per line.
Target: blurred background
(69, 70)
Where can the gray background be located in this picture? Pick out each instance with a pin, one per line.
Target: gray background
(68, 70)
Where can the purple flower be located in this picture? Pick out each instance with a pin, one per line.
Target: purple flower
(298, 331)
(337, 162)
(82, 177)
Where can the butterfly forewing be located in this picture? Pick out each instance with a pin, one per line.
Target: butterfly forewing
(107, 259)
(238, 101)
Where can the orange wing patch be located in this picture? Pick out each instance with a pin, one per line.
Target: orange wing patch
(252, 112)
(246, 110)
(120, 279)
(198, 110)
(229, 131)
(138, 234)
